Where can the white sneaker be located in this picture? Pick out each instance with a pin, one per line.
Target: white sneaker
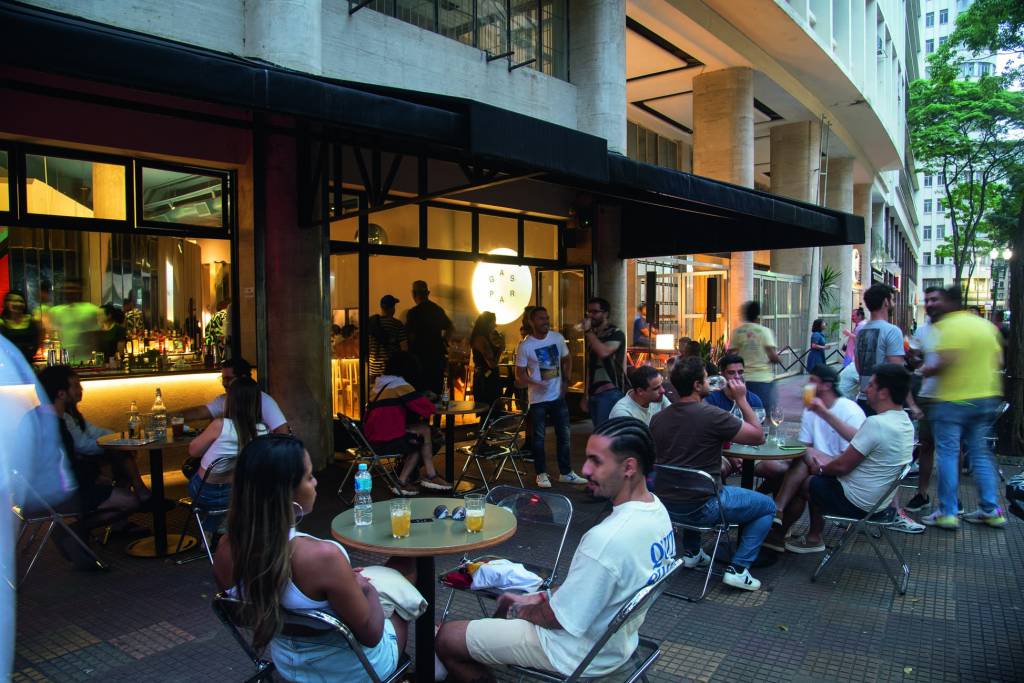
(742, 580)
(572, 478)
(701, 559)
(905, 524)
(543, 482)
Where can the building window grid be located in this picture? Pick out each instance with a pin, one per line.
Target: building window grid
(927, 206)
(928, 180)
(943, 16)
(531, 29)
(929, 46)
(927, 258)
(926, 232)
(929, 19)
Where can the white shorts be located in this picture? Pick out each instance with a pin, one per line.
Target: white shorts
(495, 642)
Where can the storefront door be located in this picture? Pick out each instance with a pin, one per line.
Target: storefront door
(564, 293)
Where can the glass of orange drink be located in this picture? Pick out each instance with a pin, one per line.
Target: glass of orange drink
(400, 517)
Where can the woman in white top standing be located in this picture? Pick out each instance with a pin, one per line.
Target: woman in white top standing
(225, 437)
(276, 568)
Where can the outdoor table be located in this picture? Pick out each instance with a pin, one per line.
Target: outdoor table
(750, 455)
(425, 540)
(450, 410)
(766, 451)
(157, 544)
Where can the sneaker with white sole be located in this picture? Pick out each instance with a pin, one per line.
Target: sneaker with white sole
(942, 521)
(906, 525)
(572, 478)
(700, 559)
(404, 489)
(740, 579)
(543, 482)
(995, 519)
(918, 503)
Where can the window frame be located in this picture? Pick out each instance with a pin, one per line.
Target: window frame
(160, 227)
(943, 17)
(929, 19)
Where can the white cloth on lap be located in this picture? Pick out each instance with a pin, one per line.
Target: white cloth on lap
(396, 593)
(505, 575)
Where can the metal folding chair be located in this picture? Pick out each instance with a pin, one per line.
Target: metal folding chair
(362, 452)
(299, 623)
(647, 653)
(36, 516)
(497, 442)
(993, 437)
(704, 482)
(549, 514)
(878, 521)
(201, 513)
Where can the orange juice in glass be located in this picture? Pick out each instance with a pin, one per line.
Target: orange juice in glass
(400, 518)
(475, 511)
(809, 393)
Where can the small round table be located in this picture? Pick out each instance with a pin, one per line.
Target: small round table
(450, 410)
(156, 545)
(750, 455)
(426, 540)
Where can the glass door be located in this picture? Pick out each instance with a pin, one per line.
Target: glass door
(564, 294)
(700, 292)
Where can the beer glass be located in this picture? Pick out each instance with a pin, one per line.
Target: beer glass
(400, 517)
(475, 511)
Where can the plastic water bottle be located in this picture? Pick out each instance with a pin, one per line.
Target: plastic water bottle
(364, 503)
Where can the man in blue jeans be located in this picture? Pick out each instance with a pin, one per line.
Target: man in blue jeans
(606, 369)
(970, 355)
(543, 365)
(690, 433)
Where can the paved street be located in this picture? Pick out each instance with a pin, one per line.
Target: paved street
(961, 619)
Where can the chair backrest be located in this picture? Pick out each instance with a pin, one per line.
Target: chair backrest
(356, 434)
(883, 502)
(698, 483)
(632, 612)
(540, 508)
(503, 430)
(229, 610)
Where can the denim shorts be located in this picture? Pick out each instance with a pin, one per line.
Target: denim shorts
(827, 493)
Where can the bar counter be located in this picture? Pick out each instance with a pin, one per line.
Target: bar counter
(105, 399)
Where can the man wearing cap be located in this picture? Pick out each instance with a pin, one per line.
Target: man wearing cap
(387, 335)
(429, 329)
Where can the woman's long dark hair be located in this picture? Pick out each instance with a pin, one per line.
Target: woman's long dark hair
(244, 408)
(485, 324)
(260, 518)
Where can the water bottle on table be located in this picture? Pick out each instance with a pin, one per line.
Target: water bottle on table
(363, 501)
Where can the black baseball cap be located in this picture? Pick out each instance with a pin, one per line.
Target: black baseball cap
(388, 301)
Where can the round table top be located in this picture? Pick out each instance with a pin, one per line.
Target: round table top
(766, 451)
(119, 441)
(436, 537)
(461, 408)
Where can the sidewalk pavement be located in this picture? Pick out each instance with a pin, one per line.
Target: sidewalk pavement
(961, 619)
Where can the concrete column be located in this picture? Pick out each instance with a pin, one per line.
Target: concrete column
(795, 157)
(598, 56)
(285, 32)
(609, 269)
(839, 196)
(878, 231)
(723, 149)
(298, 334)
(862, 207)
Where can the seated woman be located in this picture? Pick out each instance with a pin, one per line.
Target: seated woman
(396, 422)
(279, 568)
(223, 439)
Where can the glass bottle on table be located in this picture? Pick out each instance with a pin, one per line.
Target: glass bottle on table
(133, 420)
(159, 414)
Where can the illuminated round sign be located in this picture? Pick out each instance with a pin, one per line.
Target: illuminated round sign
(502, 289)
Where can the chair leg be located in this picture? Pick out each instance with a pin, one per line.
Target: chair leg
(184, 531)
(39, 550)
(462, 473)
(904, 569)
(447, 605)
(707, 577)
(483, 606)
(831, 553)
(344, 480)
(483, 477)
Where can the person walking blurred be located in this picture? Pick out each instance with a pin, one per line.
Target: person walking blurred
(969, 357)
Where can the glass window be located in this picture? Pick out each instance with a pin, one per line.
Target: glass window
(122, 301)
(5, 188)
(345, 375)
(346, 230)
(929, 46)
(540, 240)
(926, 232)
(940, 260)
(498, 232)
(927, 258)
(451, 230)
(929, 19)
(943, 16)
(940, 232)
(927, 206)
(176, 196)
(938, 205)
(928, 180)
(398, 227)
(942, 40)
(60, 186)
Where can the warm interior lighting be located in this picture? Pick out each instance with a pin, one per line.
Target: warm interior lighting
(501, 288)
(664, 342)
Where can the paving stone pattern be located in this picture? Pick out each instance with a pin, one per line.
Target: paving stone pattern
(961, 619)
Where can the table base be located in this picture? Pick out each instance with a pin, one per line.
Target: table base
(426, 584)
(146, 547)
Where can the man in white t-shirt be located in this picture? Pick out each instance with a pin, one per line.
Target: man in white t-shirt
(229, 372)
(543, 365)
(820, 438)
(629, 549)
(852, 484)
(645, 399)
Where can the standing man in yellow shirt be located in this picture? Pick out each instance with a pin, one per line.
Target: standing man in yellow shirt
(755, 343)
(970, 355)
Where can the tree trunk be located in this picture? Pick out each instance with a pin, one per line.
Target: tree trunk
(1015, 349)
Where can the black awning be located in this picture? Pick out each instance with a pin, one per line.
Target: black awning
(671, 212)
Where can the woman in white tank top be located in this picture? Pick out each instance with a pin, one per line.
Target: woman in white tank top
(279, 567)
(221, 442)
